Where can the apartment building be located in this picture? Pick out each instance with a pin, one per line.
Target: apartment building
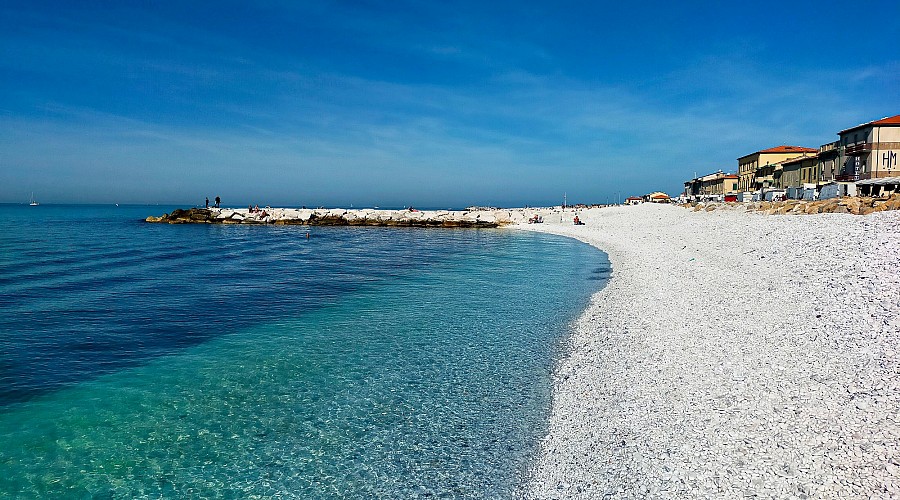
(797, 172)
(871, 150)
(717, 185)
(757, 170)
(829, 161)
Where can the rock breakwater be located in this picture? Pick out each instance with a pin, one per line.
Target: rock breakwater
(847, 205)
(343, 217)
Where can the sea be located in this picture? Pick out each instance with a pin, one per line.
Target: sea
(194, 361)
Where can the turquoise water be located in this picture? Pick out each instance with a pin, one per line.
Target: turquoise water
(142, 360)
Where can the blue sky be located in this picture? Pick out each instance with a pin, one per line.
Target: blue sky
(399, 103)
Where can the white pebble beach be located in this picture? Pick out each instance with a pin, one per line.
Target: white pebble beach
(731, 354)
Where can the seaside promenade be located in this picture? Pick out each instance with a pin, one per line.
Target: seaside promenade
(731, 354)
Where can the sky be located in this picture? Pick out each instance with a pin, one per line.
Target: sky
(427, 104)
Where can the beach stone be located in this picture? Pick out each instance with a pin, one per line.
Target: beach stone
(783, 388)
(501, 216)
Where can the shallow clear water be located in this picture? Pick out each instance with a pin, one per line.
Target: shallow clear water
(194, 361)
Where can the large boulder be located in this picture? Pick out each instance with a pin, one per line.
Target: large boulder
(181, 216)
(502, 216)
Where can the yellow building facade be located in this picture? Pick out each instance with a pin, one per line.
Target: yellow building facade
(712, 186)
(748, 165)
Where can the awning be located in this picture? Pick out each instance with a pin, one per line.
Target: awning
(880, 182)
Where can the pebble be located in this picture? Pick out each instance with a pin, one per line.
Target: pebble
(729, 374)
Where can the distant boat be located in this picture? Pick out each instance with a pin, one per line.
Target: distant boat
(33, 203)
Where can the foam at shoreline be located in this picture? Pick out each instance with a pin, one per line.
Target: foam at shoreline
(730, 354)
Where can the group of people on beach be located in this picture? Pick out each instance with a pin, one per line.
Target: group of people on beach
(252, 209)
(537, 219)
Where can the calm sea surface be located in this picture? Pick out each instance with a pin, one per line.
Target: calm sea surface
(145, 360)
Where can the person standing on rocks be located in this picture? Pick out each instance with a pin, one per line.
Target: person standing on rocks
(207, 202)
(217, 201)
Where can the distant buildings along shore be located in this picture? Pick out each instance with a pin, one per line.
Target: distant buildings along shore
(863, 161)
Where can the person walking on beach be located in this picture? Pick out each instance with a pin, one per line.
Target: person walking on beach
(217, 201)
(207, 202)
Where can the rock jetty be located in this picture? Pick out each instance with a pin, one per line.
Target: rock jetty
(344, 217)
(847, 205)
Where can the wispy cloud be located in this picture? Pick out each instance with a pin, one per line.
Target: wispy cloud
(384, 103)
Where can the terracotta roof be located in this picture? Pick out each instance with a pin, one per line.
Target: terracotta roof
(633, 198)
(659, 195)
(783, 149)
(789, 149)
(799, 159)
(888, 121)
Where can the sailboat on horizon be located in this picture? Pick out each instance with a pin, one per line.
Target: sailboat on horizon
(33, 203)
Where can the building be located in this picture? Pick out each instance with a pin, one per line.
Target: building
(715, 186)
(871, 150)
(829, 160)
(757, 170)
(764, 177)
(692, 190)
(657, 197)
(809, 172)
(719, 184)
(787, 173)
(634, 200)
(800, 172)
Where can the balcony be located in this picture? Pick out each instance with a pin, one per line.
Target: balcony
(865, 147)
(847, 177)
